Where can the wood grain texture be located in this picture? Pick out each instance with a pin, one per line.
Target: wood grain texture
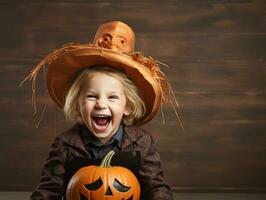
(217, 66)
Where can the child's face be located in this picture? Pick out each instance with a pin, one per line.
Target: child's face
(102, 105)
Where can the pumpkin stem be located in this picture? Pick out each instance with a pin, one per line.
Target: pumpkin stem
(106, 162)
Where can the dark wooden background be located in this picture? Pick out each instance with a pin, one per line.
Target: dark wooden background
(216, 53)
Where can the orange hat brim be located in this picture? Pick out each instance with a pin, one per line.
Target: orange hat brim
(63, 69)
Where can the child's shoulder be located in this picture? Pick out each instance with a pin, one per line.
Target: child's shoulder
(72, 135)
(135, 133)
(136, 130)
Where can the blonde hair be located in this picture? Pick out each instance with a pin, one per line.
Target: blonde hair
(134, 101)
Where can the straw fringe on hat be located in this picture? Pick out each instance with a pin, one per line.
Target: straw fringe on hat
(113, 46)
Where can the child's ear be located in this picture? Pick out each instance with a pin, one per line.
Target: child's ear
(78, 117)
(79, 120)
(127, 111)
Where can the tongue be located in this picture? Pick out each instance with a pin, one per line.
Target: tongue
(101, 121)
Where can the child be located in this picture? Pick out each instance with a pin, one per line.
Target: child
(110, 91)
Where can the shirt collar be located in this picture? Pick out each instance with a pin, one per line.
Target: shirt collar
(89, 138)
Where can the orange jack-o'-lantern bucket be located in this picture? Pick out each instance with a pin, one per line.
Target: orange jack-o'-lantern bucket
(104, 182)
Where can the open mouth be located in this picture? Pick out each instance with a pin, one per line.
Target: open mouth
(101, 122)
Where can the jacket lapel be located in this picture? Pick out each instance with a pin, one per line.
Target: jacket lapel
(130, 136)
(73, 137)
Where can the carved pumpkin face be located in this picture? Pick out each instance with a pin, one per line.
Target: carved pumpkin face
(103, 182)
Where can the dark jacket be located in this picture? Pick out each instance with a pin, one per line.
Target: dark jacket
(69, 146)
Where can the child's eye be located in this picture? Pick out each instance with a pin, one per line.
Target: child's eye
(91, 97)
(113, 97)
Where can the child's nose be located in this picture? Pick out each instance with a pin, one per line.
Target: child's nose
(101, 104)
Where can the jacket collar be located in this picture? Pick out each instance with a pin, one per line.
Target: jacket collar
(89, 138)
(73, 136)
(130, 136)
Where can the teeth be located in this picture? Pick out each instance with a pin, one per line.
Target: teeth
(100, 115)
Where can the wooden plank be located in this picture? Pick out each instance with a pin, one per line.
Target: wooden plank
(182, 48)
(44, 31)
(216, 54)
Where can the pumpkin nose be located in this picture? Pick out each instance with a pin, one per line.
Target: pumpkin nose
(108, 192)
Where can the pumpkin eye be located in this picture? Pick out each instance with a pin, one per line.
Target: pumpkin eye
(120, 187)
(95, 185)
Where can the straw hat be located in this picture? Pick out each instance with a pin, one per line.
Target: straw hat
(113, 46)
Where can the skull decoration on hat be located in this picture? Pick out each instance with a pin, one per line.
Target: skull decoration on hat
(113, 46)
(116, 36)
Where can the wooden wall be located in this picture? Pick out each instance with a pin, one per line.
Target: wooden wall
(216, 53)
